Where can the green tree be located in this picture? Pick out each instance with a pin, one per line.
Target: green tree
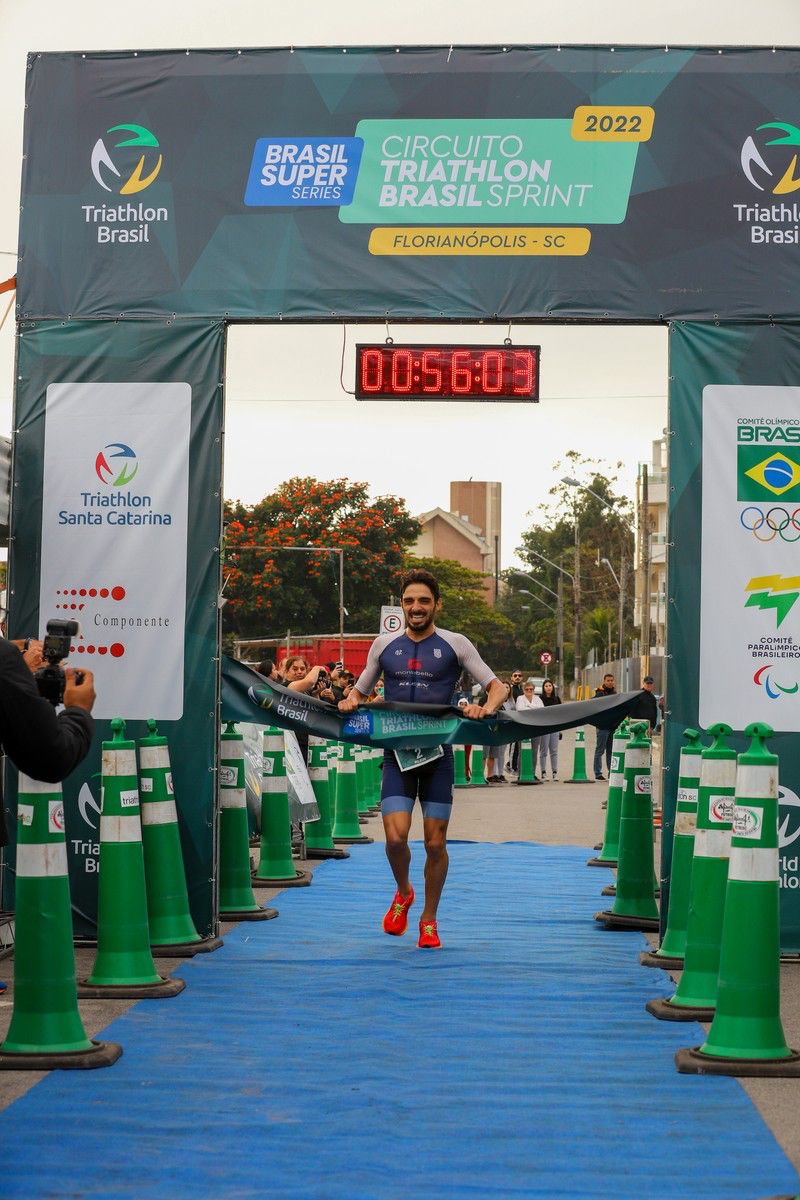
(604, 532)
(270, 590)
(465, 610)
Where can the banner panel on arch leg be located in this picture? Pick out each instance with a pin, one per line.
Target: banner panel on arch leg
(734, 588)
(118, 424)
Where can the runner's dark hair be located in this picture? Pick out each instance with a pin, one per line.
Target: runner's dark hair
(418, 575)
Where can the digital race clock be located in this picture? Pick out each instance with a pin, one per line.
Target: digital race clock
(388, 371)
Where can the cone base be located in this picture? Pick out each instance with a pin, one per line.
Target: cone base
(322, 852)
(611, 890)
(695, 1062)
(101, 1054)
(620, 921)
(577, 781)
(668, 962)
(462, 785)
(663, 1010)
(602, 862)
(249, 914)
(300, 879)
(363, 818)
(529, 783)
(185, 949)
(353, 841)
(130, 991)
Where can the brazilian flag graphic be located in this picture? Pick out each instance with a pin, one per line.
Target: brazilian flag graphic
(762, 473)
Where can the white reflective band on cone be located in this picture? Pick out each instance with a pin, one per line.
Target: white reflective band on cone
(273, 783)
(273, 742)
(346, 767)
(616, 780)
(154, 757)
(687, 797)
(318, 774)
(35, 787)
(755, 782)
(45, 860)
(159, 812)
(712, 843)
(120, 828)
(118, 762)
(637, 758)
(685, 824)
(718, 772)
(233, 798)
(754, 864)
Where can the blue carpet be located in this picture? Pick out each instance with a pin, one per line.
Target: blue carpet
(313, 1058)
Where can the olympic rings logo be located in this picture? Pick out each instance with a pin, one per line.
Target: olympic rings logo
(772, 523)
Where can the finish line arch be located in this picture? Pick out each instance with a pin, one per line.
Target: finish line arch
(166, 194)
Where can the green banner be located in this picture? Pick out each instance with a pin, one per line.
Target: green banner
(734, 626)
(117, 425)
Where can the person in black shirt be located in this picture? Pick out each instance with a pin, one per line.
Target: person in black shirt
(605, 737)
(646, 706)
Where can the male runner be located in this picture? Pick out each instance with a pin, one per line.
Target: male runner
(421, 665)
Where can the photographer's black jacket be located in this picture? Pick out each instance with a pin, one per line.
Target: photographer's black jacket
(44, 745)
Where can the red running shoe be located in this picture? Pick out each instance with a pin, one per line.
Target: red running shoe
(396, 919)
(429, 936)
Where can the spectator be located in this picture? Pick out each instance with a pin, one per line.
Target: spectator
(548, 742)
(645, 706)
(268, 669)
(605, 737)
(515, 693)
(526, 701)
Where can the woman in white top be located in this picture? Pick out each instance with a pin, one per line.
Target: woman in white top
(527, 700)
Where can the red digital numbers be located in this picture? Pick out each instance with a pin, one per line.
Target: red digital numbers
(447, 372)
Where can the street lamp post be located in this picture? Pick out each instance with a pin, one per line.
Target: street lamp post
(314, 550)
(559, 595)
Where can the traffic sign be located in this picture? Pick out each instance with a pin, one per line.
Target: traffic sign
(545, 658)
(392, 619)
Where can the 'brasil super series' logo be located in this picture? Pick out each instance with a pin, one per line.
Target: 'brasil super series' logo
(113, 472)
(133, 172)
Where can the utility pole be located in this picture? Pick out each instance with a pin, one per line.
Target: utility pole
(560, 632)
(644, 520)
(576, 588)
(623, 578)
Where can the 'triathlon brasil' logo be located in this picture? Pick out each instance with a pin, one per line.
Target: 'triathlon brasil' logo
(117, 475)
(774, 690)
(135, 180)
(757, 156)
(773, 591)
(777, 473)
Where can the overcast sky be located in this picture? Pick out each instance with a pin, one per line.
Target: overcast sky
(603, 388)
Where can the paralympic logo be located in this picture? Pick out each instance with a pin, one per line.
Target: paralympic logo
(108, 472)
(135, 180)
(754, 163)
(773, 591)
(763, 679)
(772, 523)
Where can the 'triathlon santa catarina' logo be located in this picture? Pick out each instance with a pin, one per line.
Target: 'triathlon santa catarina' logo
(130, 170)
(112, 472)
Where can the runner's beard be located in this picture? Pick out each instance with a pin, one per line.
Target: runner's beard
(419, 623)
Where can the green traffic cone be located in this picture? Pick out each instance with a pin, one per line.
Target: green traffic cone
(275, 863)
(672, 949)
(376, 775)
(46, 1031)
(579, 760)
(696, 995)
(124, 967)
(172, 931)
(237, 899)
(346, 828)
(634, 905)
(319, 842)
(459, 767)
(609, 851)
(527, 763)
(746, 1035)
(362, 783)
(477, 768)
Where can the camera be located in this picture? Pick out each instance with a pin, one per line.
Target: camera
(50, 680)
